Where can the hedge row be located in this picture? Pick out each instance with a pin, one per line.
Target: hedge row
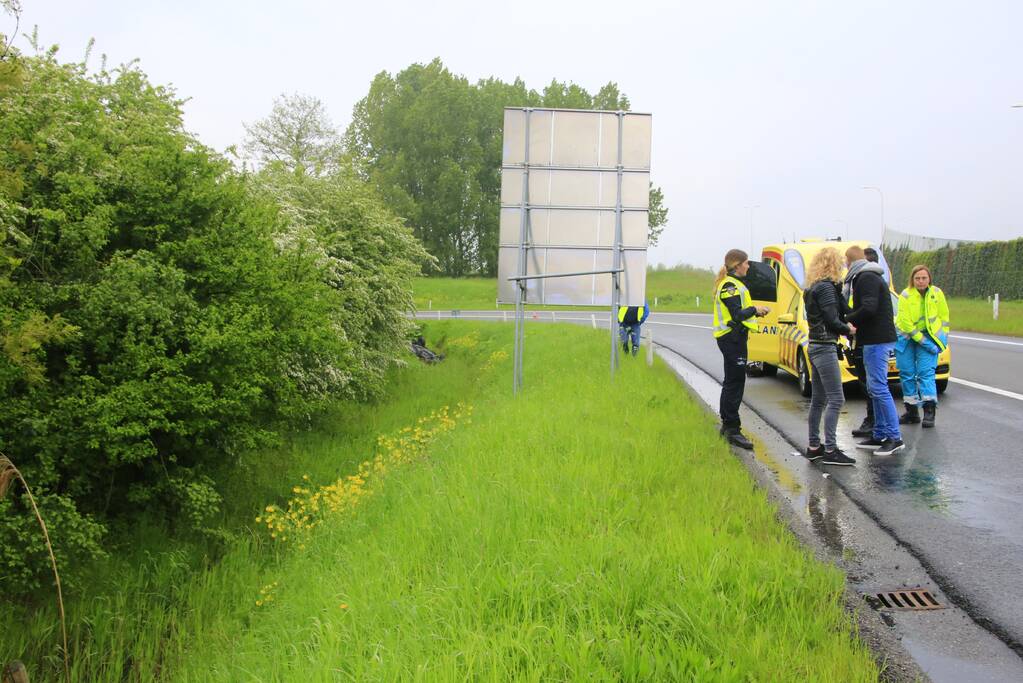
(972, 270)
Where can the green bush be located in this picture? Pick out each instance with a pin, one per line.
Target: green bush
(161, 312)
(969, 270)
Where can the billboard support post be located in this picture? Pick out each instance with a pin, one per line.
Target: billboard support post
(520, 303)
(617, 253)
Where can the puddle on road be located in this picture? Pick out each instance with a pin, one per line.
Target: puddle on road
(782, 474)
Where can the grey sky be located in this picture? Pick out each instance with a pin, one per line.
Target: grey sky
(792, 106)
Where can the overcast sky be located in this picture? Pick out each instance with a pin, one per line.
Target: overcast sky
(792, 106)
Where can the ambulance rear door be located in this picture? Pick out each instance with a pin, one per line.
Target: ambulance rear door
(762, 282)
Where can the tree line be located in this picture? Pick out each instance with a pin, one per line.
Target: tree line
(430, 141)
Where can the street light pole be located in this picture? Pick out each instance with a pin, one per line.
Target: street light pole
(878, 189)
(751, 208)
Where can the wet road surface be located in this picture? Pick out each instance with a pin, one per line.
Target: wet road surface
(952, 496)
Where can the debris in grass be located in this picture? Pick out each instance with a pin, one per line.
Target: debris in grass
(418, 347)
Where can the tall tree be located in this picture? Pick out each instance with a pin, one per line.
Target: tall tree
(431, 142)
(297, 134)
(658, 216)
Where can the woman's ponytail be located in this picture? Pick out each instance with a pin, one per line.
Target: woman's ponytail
(733, 259)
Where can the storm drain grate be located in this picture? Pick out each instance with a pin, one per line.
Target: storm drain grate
(910, 599)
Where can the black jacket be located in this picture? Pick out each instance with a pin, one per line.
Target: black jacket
(735, 309)
(872, 312)
(825, 311)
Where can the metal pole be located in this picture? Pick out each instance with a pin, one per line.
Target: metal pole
(617, 254)
(520, 302)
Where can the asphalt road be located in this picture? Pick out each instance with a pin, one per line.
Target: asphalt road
(952, 497)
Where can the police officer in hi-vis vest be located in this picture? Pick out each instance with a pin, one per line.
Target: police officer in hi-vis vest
(734, 317)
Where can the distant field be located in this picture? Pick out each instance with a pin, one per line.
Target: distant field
(677, 289)
(672, 290)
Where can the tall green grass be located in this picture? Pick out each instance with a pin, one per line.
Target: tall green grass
(585, 530)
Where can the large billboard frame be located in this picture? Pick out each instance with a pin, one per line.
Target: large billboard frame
(525, 207)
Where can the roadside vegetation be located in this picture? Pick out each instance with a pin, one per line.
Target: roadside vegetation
(584, 530)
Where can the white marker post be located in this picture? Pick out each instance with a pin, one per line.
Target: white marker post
(593, 319)
(995, 311)
(697, 301)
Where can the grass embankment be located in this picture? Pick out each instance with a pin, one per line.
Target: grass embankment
(975, 315)
(584, 530)
(673, 290)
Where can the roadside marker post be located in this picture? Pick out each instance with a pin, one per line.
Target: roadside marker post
(593, 319)
(996, 306)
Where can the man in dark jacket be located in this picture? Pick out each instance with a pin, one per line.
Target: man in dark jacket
(874, 319)
(866, 427)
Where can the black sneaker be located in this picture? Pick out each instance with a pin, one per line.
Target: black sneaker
(837, 457)
(812, 454)
(870, 444)
(890, 446)
(866, 428)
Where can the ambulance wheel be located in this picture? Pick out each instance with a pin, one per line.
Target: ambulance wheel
(942, 384)
(803, 368)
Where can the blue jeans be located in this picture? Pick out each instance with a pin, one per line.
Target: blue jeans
(627, 331)
(916, 372)
(886, 418)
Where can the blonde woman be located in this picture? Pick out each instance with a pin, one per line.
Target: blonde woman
(734, 317)
(825, 314)
(923, 334)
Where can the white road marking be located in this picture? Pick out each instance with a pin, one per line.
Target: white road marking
(984, 387)
(989, 341)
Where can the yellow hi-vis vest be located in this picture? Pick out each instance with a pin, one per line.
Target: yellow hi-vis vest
(923, 313)
(721, 314)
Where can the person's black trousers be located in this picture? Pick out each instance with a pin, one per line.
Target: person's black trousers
(733, 351)
(861, 374)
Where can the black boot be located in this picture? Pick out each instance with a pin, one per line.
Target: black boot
(866, 427)
(911, 416)
(930, 407)
(737, 438)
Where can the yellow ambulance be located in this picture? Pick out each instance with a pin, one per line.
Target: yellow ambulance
(781, 341)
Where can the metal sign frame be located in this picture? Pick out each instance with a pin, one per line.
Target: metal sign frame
(525, 208)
